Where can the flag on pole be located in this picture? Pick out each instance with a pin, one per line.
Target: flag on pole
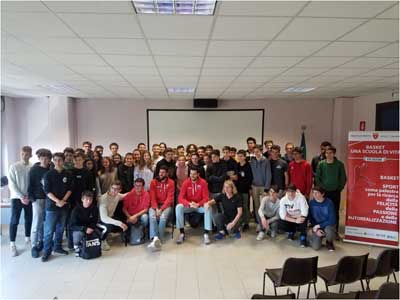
(303, 145)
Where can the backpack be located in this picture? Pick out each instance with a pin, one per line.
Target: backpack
(91, 246)
(136, 236)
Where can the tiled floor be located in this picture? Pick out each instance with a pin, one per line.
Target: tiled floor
(224, 269)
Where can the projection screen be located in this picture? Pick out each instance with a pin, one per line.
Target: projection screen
(202, 127)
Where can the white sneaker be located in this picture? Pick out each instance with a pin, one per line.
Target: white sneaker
(180, 238)
(206, 239)
(260, 236)
(14, 251)
(151, 246)
(105, 246)
(157, 243)
(27, 243)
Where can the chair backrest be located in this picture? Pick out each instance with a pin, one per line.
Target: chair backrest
(388, 290)
(328, 295)
(395, 259)
(351, 268)
(383, 265)
(299, 271)
(288, 296)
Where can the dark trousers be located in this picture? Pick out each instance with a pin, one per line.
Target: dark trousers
(16, 207)
(335, 197)
(106, 229)
(293, 227)
(68, 230)
(221, 221)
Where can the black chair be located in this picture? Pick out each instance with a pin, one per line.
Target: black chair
(288, 296)
(379, 267)
(395, 263)
(349, 269)
(295, 272)
(328, 295)
(388, 290)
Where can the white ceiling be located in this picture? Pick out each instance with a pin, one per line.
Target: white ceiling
(247, 50)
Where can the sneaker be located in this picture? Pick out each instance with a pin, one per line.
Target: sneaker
(14, 251)
(206, 239)
(330, 246)
(77, 251)
(34, 252)
(180, 238)
(238, 235)
(290, 236)
(157, 243)
(39, 246)
(105, 246)
(303, 241)
(245, 227)
(61, 251)
(45, 257)
(27, 242)
(273, 234)
(219, 236)
(260, 236)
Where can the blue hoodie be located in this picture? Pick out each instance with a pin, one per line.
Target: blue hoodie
(322, 213)
(261, 170)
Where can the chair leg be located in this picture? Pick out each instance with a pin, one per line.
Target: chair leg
(362, 285)
(343, 288)
(275, 290)
(326, 286)
(308, 290)
(298, 292)
(367, 282)
(340, 288)
(394, 275)
(315, 290)
(388, 278)
(265, 274)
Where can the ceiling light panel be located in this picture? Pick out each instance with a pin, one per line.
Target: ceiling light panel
(175, 7)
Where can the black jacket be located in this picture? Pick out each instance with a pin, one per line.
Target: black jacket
(82, 181)
(245, 178)
(83, 218)
(171, 168)
(216, 175)
(125, 175)
(58, 183)
(200, 167)
(35, 186)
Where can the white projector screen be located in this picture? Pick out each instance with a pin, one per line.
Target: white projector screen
(202, 127)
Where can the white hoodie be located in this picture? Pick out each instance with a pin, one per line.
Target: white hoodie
(293, 208)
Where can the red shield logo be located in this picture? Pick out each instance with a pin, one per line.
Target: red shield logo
(375, 135)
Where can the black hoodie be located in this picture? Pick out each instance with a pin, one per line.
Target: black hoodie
(171, 168)
(245, 178)
(216, 176)
(35, 186)
(125, 175)
(83, 218)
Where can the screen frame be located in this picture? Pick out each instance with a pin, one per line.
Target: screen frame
(250, 109)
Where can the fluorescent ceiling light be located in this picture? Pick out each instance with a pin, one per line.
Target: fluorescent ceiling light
(299, 89)
(175, 7)
(181, 90)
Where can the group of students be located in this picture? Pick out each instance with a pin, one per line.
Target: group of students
(83, 192)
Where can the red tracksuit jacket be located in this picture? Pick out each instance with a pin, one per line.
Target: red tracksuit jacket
(193, 192)
(300, 175)
(162, 193)
(134, 203)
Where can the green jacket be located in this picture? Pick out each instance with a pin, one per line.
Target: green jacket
(331, 176)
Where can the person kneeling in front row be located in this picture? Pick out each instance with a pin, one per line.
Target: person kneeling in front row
(323, 220)
(232, 207)
(269, 213)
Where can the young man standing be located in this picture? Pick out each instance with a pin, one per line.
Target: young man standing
(162, 192)
(243, 184)
(279, 170)
(58, 189)
(288, 157)
(251, 144)
(110, 222)
(192, 197)
(267, 146)
(181, 150)
(136, 206)
(293, 211)
(168, 162)
(229, 161)
(156, 154)
(331, 176)
(82, 181)
(269, 214)
(114, 148)
(261, 169)
(208, 150)
(196, 162)
(125, 173)
(323, 220)
(100, 149)
(38, 198)
(18, 184)
(216, 174)
(141, 147)
(300, 173)
(69, 158)
(87, 147)
(316, 159)
(201, 151)
(233, 152)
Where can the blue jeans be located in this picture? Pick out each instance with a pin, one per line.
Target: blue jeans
(181, 210)
(157, 227)
(54, 226)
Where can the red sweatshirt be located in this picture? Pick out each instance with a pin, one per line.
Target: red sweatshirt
(135, 203)
(193, 192)
(300, 174)
(162, 193)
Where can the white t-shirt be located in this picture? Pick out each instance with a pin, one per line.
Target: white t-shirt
(294, 208)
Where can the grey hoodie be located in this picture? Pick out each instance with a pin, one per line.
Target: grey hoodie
(261, 170)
